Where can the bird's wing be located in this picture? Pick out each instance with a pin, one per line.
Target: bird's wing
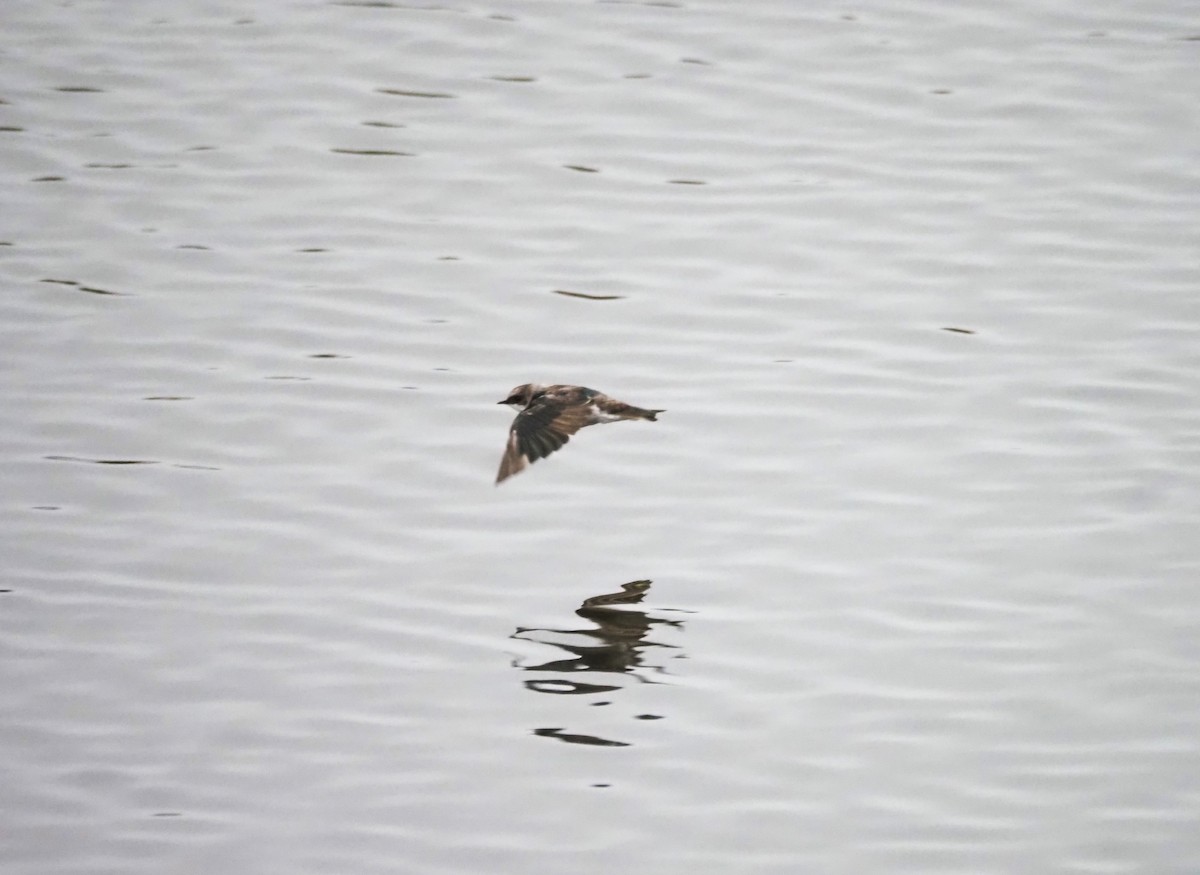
(538, 431)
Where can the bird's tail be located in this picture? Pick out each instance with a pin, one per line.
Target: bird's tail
(628, 411)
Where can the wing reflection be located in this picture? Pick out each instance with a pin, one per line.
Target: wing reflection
(576, 738)
(614, 646)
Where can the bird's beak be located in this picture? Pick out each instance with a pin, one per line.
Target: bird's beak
(501, 402)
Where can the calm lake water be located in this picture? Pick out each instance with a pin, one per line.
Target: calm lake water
(904, 581)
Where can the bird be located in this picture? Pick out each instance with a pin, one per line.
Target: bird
(549, 415)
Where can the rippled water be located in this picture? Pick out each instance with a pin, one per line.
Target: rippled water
(903, 581)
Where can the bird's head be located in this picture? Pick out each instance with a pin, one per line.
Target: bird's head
(520, 396)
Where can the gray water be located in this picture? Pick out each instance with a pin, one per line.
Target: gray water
(890, 597)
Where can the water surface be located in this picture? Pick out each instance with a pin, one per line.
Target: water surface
(903, 581)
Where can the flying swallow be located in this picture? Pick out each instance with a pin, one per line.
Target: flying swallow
(549, 415)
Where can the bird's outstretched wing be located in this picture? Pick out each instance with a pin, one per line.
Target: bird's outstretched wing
(538, 431)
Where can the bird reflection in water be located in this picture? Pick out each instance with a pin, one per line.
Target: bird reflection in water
(616, 644)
